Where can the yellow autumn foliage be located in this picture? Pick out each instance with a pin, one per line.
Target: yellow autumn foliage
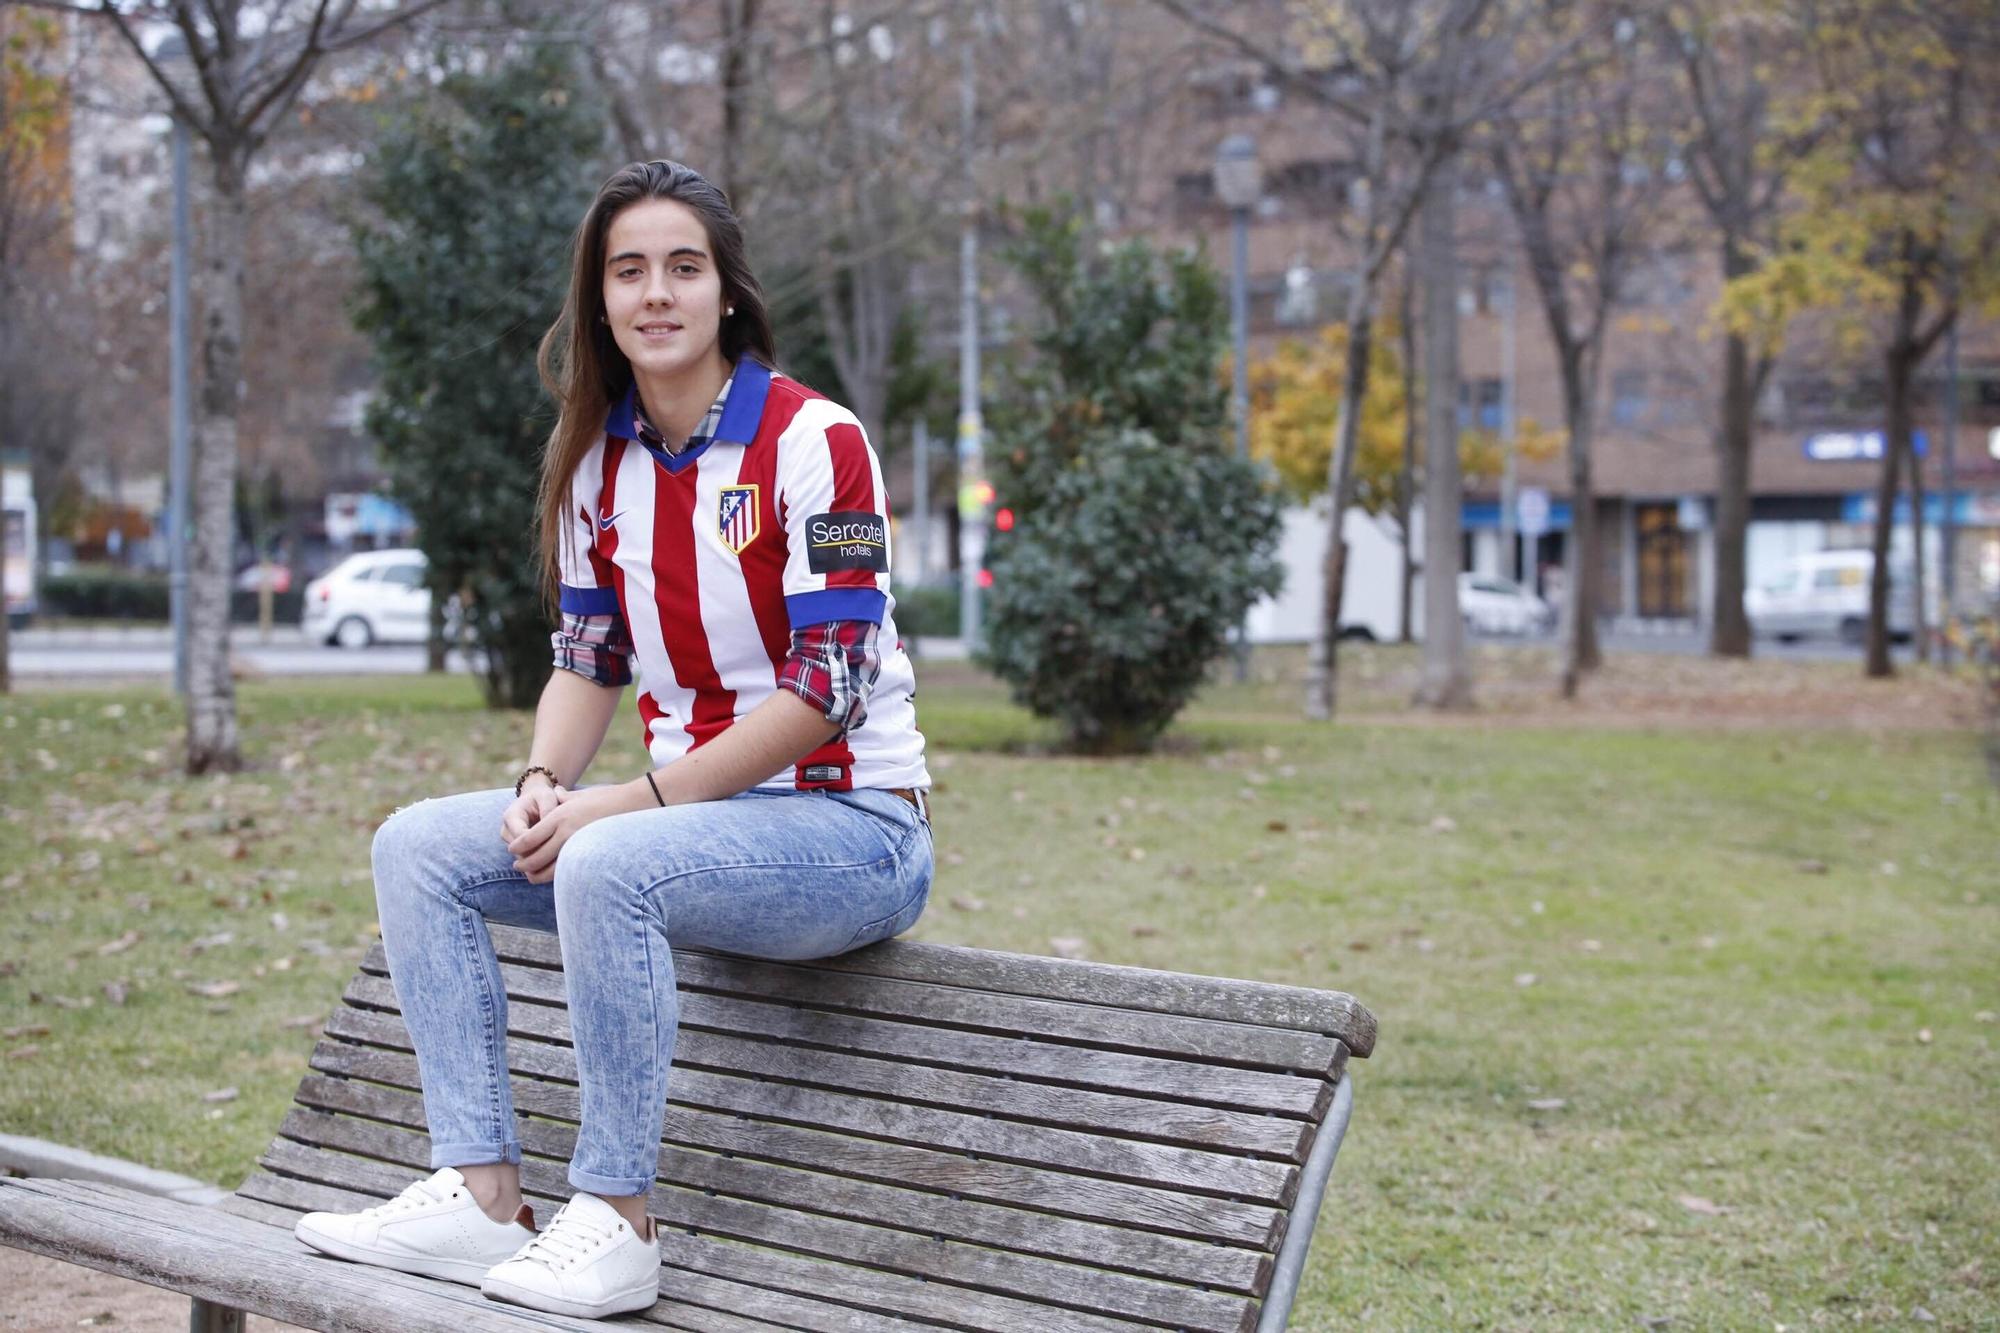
(1295, 403)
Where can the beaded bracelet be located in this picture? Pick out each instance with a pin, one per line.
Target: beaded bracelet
(530, 771)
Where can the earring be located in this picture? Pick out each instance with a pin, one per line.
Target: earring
(730, 311)
(602, 320)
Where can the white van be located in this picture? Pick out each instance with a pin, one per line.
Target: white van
(1826, 594)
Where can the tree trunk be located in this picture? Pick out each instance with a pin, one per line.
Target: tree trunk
(1406, 480)
(434, 642)
(739, 23)
(1580, 651)
(1729, 630)
(6, 650)
(1323, 665)
(1919, 626)
(1900, 364)
(1446, 681)
(211, 718)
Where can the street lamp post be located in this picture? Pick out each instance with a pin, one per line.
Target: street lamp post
(180, 464)
(1239, 183)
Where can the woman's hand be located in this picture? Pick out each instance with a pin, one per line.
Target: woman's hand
(536, 848)
(528, 809)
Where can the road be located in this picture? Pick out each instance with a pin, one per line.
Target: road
(141, 651)
(137, 652)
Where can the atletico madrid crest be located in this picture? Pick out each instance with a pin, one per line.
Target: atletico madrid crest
(737, 517)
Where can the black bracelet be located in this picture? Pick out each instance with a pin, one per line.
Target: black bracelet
(530, 771)
(655, 786)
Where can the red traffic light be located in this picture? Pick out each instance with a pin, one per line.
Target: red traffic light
(1003, 520)
(985, 578)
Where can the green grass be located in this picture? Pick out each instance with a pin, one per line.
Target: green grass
(1735, 937)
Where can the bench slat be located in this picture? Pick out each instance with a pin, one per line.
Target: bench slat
(688, 1300)
(1225, 1267)
(1228, 999)
(237, 1263)
(543, 1171)
(1062, 1021)
(1141, 1207)
(1188, 1169)
(779, 1273)
(1015, 1099)
(1297, 1096)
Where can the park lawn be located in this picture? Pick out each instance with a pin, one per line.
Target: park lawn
(1681, 1022)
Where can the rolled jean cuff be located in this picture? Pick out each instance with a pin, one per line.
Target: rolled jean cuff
(610, 1187)
(475, 1154)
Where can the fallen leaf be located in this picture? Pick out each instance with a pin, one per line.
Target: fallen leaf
(119, 945)
(235, 850)
(215, 941)
(1548, 1104)
(26, 1030)
(302, 1021)
(1591, 946)
(220, 1095)
(1888, 868)
(1276, 826)
(1066, 946)
(965, 902)
(1694, 1203)
(114, 992)
(1924, 1036)
(24, 1052)
(1812, 867)
(1144, 932)
(1525, 979)
(1444, 824)
(1136, 853)
(215, 990)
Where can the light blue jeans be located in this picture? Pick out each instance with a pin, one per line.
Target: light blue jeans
(769, 874)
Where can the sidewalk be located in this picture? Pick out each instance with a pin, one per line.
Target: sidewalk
(141, 635)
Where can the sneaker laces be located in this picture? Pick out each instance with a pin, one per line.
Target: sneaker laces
(569, 1237)
(420, 1194)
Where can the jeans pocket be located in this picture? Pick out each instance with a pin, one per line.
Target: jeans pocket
(894, 924)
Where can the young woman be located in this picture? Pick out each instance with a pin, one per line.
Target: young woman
(717, 534)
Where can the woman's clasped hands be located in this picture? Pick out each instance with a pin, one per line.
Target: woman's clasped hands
(541, 819)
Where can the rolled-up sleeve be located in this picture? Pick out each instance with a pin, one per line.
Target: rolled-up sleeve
(596, 647)
(833, 666)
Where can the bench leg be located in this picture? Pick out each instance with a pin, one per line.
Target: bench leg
(208, 1317)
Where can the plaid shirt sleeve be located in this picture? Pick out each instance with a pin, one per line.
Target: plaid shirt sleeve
(833, 667)
(598, 648)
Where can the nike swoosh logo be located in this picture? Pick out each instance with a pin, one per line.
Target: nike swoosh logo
(604, 524)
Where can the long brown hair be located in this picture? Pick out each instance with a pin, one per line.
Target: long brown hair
(579, 360)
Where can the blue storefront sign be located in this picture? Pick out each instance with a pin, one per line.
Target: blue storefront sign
(1968, 510)
(1855, 446)
(1485, 514)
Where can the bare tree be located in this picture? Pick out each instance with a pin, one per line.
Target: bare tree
(37, 407)
(232, 74)
(1583, 162)
(1729, 59)
(1403, 85)
(1446, 678)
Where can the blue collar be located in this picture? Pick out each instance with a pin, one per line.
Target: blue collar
(749, 385)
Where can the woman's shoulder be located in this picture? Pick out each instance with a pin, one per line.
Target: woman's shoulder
(806, 408)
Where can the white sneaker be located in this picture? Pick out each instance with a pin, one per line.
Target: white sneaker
(435, 1228)
(588, 1262)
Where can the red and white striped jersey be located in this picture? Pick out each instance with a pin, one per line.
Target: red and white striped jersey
(715, 555)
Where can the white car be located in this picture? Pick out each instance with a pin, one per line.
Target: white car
(1492, 605)
(370, 597)
(1825, 593)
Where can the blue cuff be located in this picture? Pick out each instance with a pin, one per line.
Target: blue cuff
(816, 608)
(588, 601)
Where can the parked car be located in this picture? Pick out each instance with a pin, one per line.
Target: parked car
(251, 578)
(370, 597)
(1492, 605)
(1825, 594)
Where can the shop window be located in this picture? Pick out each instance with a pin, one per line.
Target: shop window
(1628, 397)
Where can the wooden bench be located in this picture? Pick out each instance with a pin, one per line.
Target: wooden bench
(913, 1135)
